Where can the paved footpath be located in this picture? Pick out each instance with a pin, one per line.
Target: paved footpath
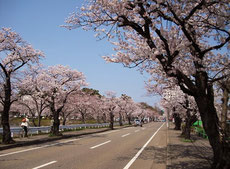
(177, 154)
(187, 155)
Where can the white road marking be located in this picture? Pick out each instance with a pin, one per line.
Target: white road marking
(107, 132)
(45, 165)
(125, 135)
(35, 148)
(67, 141)
(100, 144)
(143, 128)
(137, 130)
(127, 128)
(140, 151)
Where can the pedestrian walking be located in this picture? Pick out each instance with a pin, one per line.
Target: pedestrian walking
(25, 125)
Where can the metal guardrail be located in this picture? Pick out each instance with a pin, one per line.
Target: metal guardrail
(46, 129)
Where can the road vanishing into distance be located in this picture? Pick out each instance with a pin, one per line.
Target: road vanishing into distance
(131, 147)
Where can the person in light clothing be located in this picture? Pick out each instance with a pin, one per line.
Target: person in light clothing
(25, 125)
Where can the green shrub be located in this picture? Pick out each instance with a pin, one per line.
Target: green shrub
(187, 140)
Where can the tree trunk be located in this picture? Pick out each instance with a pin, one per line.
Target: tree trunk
(56, 121)
(33, 121)
(220, 146)
(111, 120)
(123, 118)
(224, 109)
(189, 120)
(120, 120)
(6, 136)
(187, 131)
(64, 120)
(98, 119)
(56, 124)
(129, 120)
(39, 119)
(104, 117)
(83, 118)
(178, 121)
(188, 123)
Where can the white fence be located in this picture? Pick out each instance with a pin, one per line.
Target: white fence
(46, 129)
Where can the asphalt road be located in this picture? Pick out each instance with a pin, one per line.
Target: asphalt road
(133, 147)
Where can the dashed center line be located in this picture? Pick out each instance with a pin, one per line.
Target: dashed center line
(137, 130)
(45, 165)
(125, 135)
(127, 128)
(100, 144)
(107, 132)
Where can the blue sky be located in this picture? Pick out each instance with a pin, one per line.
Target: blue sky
(37, 21)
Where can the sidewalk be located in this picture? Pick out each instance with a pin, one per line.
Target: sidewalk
(43, 138)
(187, 155)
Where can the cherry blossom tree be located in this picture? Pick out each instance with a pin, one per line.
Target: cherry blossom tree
(30, 94)
(31, 108)
(110, 104)
(182, 105)
(54, 85)
(224, 86)
(127, 107)
(95, 102)
(83, 105)
(68, 109)
(140, 111)
(145, 111)
(130, 109)
(15, 109)
(120, 106)
(15, 53)
(190, 115)
(184, 37)
(60, 82)
(96, 109)
(150, 114)
(103, 108)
